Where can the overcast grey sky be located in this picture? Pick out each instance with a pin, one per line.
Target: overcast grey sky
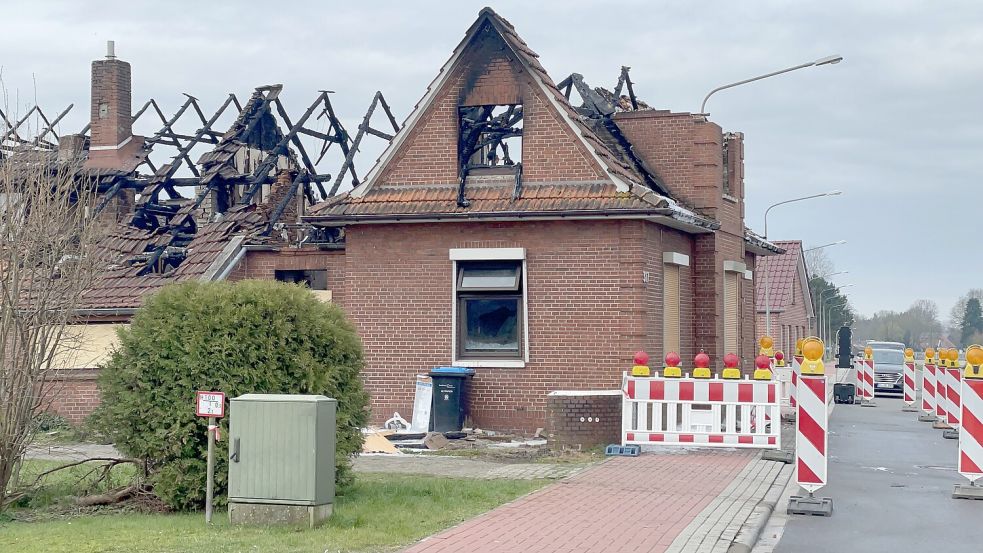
(896, 126)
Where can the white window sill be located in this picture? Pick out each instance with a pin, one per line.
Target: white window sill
(491, 363)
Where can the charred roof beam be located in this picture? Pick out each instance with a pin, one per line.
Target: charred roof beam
(363, 129)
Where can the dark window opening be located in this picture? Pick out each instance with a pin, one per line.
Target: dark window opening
(489, 316)
(315, 279)
(491, 136)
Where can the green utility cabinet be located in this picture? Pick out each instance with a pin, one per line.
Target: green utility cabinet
(281, 459)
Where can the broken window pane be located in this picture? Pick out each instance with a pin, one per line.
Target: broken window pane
(492, 325)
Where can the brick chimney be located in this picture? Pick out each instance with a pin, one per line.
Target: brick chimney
(111, 139)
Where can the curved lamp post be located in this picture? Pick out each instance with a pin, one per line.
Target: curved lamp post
(767, 290)
(828, 60)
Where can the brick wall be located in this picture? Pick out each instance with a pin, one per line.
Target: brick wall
(264, 264)
(583, 420)
(590, 308)
(73, 394)
(550, 151)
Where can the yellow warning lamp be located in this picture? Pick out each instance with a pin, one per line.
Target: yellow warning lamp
(868, 353)
(767, 344)
(909, 354)
(672, 369)
(779, 358)
(930, 356)
(641, 367)
(731, 371)
(762, 368)
(798, 347)
(812, 351)
(953, 357)
(701, 366)
(974, 362)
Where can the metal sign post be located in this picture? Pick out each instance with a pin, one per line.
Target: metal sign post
(212, 406)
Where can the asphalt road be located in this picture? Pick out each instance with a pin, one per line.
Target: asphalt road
(890, 478)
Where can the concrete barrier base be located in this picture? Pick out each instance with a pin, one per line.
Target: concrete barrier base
(952, 434)
(810, 505)
(927, 418)
(939, 425)
(909, 409)
(967, 491)
(779, 455)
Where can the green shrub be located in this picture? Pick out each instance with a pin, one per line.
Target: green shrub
(246, 337)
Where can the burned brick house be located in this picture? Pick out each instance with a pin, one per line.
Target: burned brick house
(539, 233)
(540, 242)
(229, 213)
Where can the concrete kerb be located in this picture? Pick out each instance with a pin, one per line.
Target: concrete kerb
(752, 528)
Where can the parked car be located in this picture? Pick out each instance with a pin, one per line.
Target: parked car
(888, 371)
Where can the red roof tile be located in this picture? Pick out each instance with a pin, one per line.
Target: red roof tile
(782, 272)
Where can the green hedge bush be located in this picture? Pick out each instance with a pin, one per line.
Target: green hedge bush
(245, 337)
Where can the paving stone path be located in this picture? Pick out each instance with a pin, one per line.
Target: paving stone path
(656, 502)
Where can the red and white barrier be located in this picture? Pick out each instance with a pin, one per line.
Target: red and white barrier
(796, 372)
(941, 403)
(811, 424)
(953, 403)
(867, 382)
(971, 438)
(707, 412)
(909, 383)
(928, 389)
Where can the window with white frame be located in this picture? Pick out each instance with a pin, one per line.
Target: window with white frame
(489, 306)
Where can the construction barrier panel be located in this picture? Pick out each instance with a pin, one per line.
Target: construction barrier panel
(811, 423)
(708, 412)
(928, 388)
(953, 393)
(868, 379)
(909, 383)
(941, 377)
(970, 462)
(796, 372)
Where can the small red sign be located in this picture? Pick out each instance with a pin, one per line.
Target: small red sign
(210, 404)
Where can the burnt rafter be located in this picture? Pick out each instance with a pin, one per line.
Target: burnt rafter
(624, 81)
(482, 141)
(364, 128)
(11, 138)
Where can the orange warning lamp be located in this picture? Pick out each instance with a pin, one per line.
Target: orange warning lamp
(641, 367)
(762, 368)
(701, 365)
(909, 354)
(812, 351)
(798, 347)
(767, 344)
(731, 371)
(672, 369)
(953, 357)
(974, 361)
(929, 355)
(779, 358)
(868, 352)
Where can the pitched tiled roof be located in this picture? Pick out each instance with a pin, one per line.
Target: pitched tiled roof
(783, 271)
(491, 198)
(606, 197)
(122, 287)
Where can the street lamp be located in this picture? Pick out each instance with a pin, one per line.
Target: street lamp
(837, 243)
(826, 315)
(827, 275)
(822, 300)
(828, 60)
(767, 291)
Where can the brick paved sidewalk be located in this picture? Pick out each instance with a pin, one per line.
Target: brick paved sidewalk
(624, 504)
